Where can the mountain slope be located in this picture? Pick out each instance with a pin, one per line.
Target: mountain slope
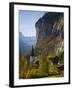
(50, 32)
(25, 43)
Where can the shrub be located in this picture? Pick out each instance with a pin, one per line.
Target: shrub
(43, 67)
(23, 66)
(33, 73)
(53, 69)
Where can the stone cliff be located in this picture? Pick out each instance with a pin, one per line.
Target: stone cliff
(50, 32)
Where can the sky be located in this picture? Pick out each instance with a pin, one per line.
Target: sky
(27, 20)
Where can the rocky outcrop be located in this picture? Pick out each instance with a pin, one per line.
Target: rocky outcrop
(50, 31)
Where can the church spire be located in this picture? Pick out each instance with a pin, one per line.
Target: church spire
(32, 52)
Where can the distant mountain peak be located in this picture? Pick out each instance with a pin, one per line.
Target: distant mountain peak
(25, 43)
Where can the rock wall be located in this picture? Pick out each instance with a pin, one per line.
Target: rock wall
(50, 31)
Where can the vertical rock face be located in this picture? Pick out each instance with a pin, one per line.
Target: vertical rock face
(50, 30)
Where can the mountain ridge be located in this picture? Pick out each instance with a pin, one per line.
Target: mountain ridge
(25, 43)
(50, 32)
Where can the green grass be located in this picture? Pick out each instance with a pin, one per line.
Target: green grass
(55, 76)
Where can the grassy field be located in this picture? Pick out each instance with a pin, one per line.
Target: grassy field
(55, 76)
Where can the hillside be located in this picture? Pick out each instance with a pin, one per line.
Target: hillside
(50, 32)
(25, 43)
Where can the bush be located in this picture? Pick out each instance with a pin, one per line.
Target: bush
(23, 66)
(33, 73)
(43, 67)
(61, 57)
(53, 69)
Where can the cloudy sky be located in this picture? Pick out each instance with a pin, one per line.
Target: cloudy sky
(27, 20)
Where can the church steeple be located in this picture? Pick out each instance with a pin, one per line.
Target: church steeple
(32, 52)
